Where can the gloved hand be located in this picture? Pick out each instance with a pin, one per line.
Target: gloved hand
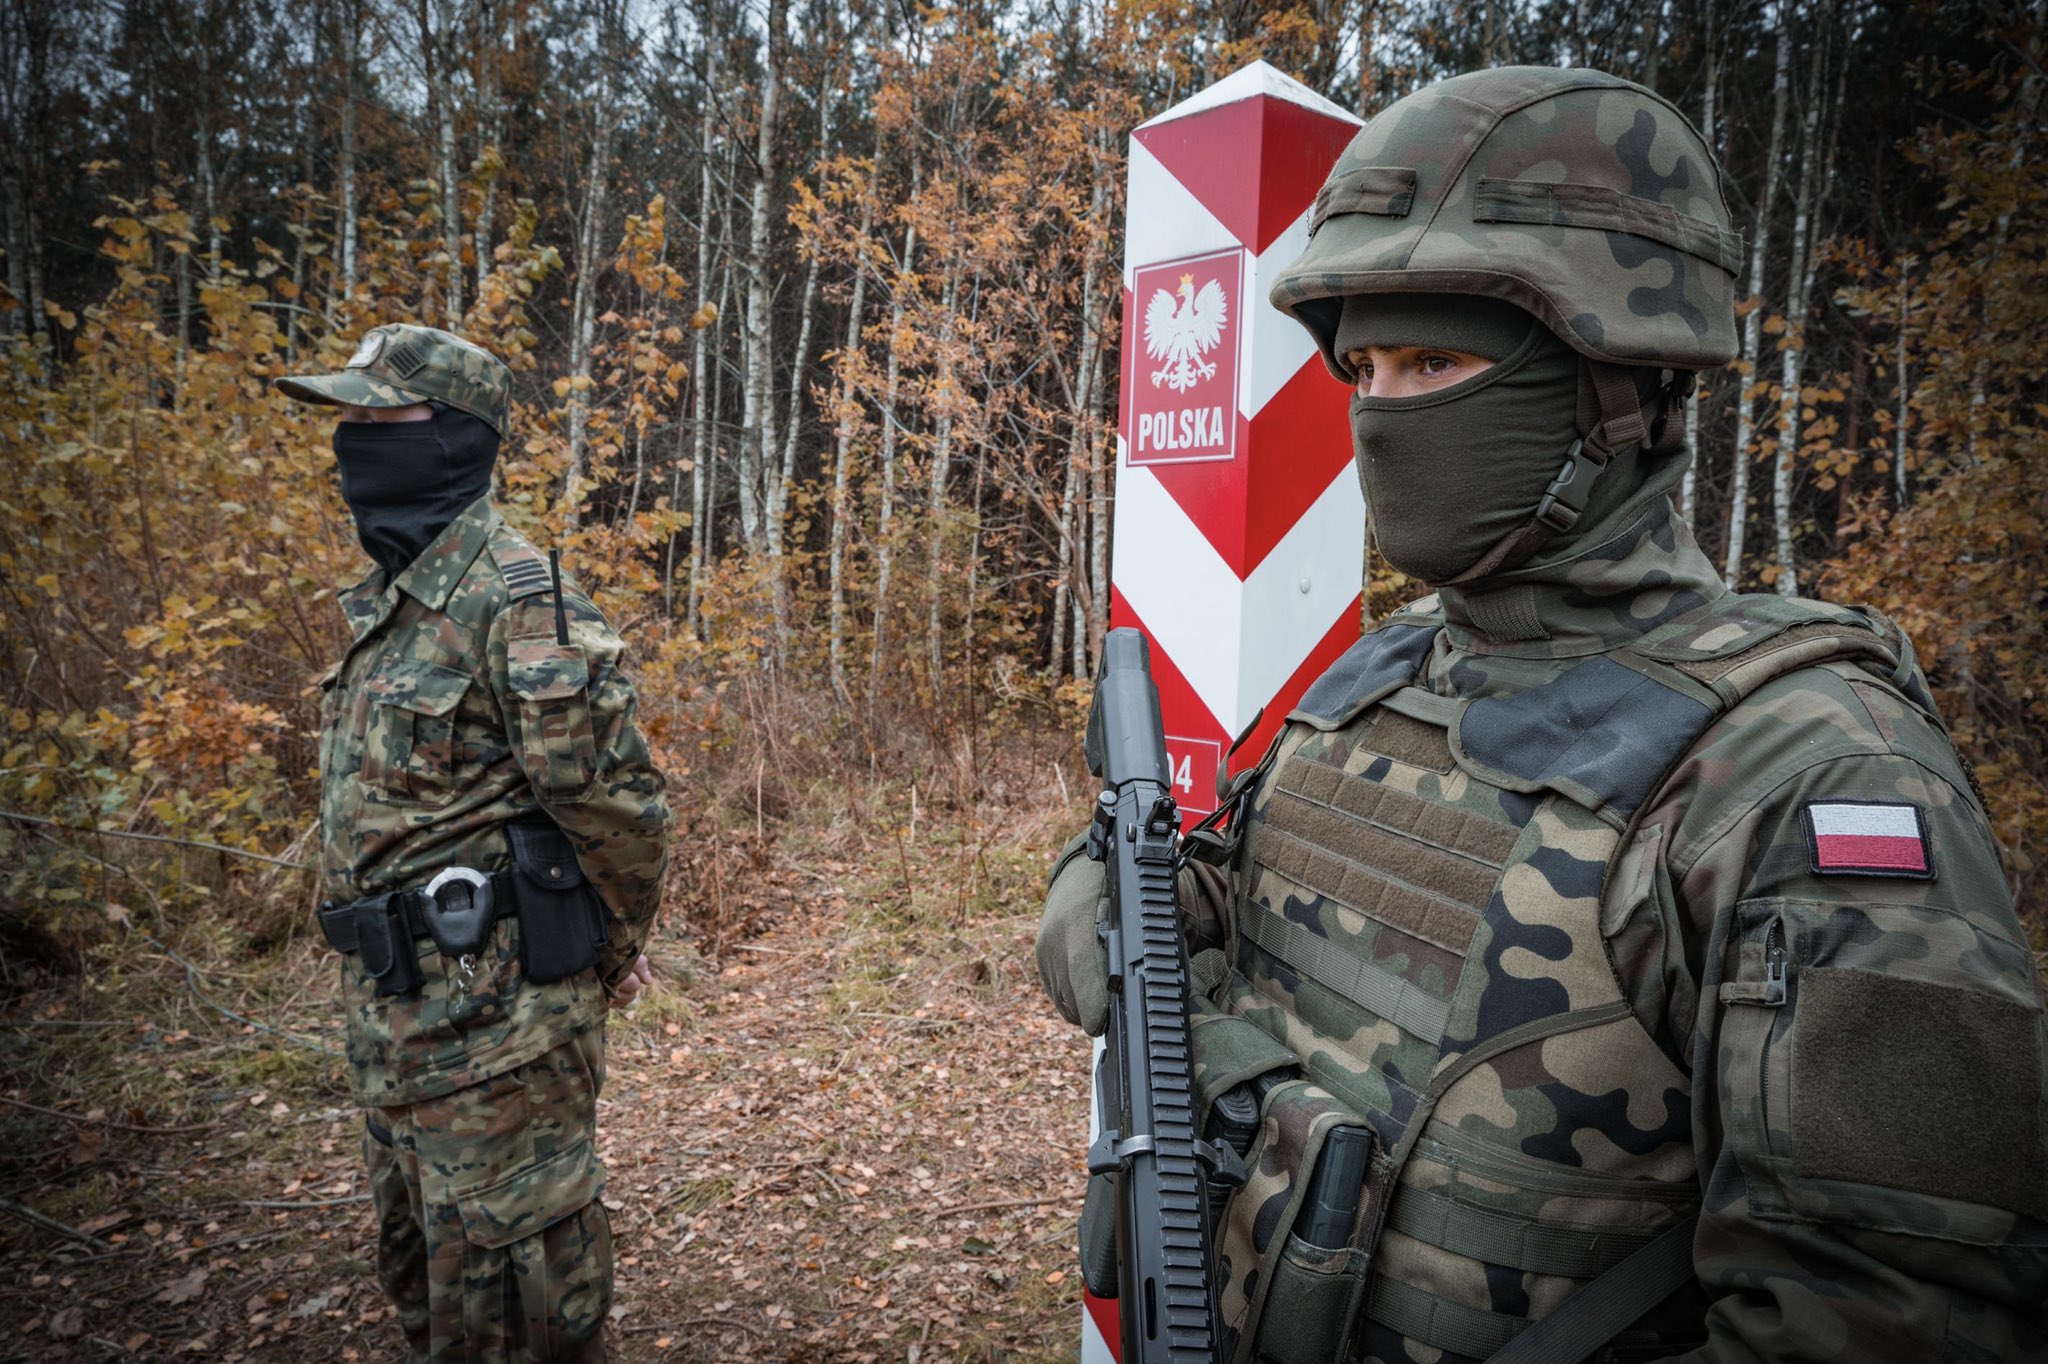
(1072, 964)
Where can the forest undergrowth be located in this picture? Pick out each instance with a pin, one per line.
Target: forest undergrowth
(845, 1125)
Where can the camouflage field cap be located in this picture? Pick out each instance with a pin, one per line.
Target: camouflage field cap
(1575, 195)
(400, 364)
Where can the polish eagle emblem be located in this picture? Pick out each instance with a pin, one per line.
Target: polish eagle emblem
(1180, 327)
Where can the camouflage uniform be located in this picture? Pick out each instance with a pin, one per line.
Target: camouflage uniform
(1537, 884)
(454, 713)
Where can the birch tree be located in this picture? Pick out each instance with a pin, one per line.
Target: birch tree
(904, 280)
(348, 35)
(1813, 178)
(1688, 493)
(439, 23)
(757, 393)
(842, 449)
(590, 256)
(1750, 363)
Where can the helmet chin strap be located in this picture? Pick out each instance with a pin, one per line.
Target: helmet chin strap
(1611, 421)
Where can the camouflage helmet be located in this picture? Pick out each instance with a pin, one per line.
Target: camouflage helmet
(400, 364)
(1575, 195)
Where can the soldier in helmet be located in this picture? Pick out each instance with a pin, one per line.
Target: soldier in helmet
(493, 834)
(1649, 938)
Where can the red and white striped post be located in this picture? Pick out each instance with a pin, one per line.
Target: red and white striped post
(1239, 528)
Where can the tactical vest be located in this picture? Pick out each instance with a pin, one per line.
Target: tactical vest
(1419, 942)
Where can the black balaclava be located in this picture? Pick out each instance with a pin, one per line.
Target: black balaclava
(405, 481)
(1448, 475)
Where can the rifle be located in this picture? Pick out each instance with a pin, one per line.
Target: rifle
(1166, 1299)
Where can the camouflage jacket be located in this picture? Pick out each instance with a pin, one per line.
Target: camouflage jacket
(453, 713)
(1781, 987)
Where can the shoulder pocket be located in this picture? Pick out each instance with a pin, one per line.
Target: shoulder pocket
(1866, 1082)
(410, 749)
(551, 683)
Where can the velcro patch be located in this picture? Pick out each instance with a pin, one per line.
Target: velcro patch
(1868, 838)
(366, 354)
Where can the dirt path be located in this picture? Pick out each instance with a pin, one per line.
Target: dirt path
(857, 1139)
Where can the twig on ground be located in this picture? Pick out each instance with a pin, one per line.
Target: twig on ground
(733, 1322)
(30, 1215)
(313, 1203)
(65, 1023)
(153, 838)
(83, 1120)
(1000, 1203)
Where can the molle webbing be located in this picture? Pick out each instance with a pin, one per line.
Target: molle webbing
(1408, 740)
(1401, 1002)
(1502, 1239)
(1421, 1315)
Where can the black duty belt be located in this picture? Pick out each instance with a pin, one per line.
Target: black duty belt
(339, 922)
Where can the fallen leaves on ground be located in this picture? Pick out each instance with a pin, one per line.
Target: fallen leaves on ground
(856, 1137)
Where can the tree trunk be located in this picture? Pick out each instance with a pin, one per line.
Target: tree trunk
(842, 447)
(1688, 493)
(1905, 392)
(1080, 436)
(701, 413)
(1798, 286)
(780, 477)
(583, 304)
(885, 516)
(346, 24)
(1097, 605)
(1752, 325)
(757, 395)
(11, 182)
(972, 605)
(490, 120)
(935, 497)
(209, 203)
(438, 43)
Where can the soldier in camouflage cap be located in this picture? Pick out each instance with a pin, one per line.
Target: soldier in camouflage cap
(1652, 935)
(400, 365)
(493, 836)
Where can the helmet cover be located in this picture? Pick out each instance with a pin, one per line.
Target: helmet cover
(1583, 198)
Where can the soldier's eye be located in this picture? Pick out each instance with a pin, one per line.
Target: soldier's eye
(1438, 364)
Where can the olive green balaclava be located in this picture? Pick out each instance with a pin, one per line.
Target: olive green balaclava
(1450, 474)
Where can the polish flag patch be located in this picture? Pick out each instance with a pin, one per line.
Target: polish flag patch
(1868, 838)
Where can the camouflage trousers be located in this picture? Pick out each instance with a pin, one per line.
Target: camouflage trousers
(491, 1237)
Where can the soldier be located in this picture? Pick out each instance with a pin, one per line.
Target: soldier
(1651, 936)
(493, 834)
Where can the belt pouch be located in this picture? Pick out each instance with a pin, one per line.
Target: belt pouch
(562, 922)
(386, 946)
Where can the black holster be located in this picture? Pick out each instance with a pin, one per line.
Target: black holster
(385, 941)
(563, 924)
